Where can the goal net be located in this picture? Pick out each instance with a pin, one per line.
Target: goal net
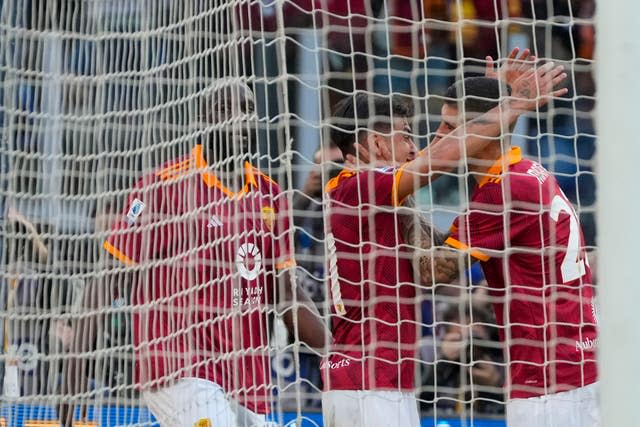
(117, 278)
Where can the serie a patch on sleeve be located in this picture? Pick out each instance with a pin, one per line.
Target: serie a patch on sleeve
(136, 208)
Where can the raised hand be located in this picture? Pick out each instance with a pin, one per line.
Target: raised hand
(536, 87)
(513, 68)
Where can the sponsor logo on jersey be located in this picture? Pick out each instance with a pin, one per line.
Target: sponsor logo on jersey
(136, 208)
(268, 216)
(342, 363)
(247, 296)
(248, 261)
(587, 344)
(214, 221)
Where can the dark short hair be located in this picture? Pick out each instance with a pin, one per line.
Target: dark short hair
(364, 112)
(476, 94)
(219, 102)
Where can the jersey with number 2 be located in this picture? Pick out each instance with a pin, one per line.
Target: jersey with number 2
(527, 235)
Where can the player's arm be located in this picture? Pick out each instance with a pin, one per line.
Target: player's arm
(299, 313)
(533, 88)
(432, 261)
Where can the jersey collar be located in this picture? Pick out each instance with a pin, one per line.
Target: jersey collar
(211, 180)
(334, 182)
(510, 158)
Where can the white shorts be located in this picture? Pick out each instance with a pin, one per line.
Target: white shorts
(199, 403)
(358, 408)
(573, 408)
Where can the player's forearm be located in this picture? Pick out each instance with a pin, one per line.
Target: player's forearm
(444, 155)
(301, 316)
(472, 137)
(421, 236)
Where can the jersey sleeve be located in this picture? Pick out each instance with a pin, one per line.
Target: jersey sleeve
(132, 239)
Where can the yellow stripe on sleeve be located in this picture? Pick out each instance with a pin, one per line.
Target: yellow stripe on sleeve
(464, 248)
(117, 254)
(396, 183)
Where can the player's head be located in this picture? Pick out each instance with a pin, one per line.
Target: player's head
(467, 99)
(228, 115)
(373, 119)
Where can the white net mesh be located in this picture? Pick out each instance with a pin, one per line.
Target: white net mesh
(98, 94)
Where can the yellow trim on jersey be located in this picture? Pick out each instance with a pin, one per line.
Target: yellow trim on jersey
(396, 183)
(334, 182)
(175, 166)
(175, 171)
(117, 254)
(286, 264)
(211, 180)
(346, 173)
(462, 247)
(250, 175)
(494, 172)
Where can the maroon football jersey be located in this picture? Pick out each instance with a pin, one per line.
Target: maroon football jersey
(205, 260)
(526, 234)
(373, 295)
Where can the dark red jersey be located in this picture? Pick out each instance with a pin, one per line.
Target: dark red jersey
(205, 261)
(372, 290)
(526, 234)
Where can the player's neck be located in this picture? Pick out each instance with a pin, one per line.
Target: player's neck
(483, 161)
(233, 179)
(229, 171)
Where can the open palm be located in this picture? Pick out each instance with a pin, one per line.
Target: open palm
(513, 68)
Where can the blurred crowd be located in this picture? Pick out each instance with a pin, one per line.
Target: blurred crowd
(333, 47)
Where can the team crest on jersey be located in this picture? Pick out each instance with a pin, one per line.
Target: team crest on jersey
(269, 217)
(203, 422)
(136, 208)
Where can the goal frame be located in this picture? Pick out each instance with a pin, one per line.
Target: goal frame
(617, 61)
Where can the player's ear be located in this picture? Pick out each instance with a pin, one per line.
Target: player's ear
(366, 141)
(374, 140)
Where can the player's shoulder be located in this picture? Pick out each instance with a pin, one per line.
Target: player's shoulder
(265, 183)
(375, 175)
(525, 184)
(166, 175)
(351, 181)
(528, 179)
(175, 169)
